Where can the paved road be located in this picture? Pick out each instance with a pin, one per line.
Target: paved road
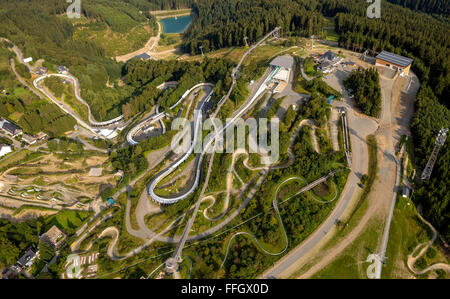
(360, 127)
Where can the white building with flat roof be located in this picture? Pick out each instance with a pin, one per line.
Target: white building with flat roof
(281, 71)
(5, 149)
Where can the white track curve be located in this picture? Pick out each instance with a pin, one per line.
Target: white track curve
(74, 80)
(208, 143)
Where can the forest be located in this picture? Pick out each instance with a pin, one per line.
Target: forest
(366, 89)
(433, 194)
(226, 23)
(428, 6)
(145, 76)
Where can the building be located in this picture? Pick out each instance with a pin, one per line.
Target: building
(62, 69)
(41, 136)
(143, 56)
(350, 64)
(29, 139)
(42, 70)
(282, 67)
(11, 128)
(54, 236)
(28, 258)
(394, 61)
(330, 56)
(5, 149)
(327, 61)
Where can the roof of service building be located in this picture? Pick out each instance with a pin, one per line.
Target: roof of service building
(394, 58)
(285, 61)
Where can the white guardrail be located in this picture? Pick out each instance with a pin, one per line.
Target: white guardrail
(92, 121)
(159, 116)
(152, 185)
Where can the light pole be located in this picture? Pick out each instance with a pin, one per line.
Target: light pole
(312, 41)
(246, 43)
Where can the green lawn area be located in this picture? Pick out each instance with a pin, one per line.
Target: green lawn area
(68, 220)
(332, 35)
(169, 41)
(351, 263)
(406, 232)
(31, 208)
(261, 54)
(76, 105)
(20, 91)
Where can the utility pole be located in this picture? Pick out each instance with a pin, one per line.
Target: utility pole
(312, 41)
(246, 43)
(440, 140)
(201, 49)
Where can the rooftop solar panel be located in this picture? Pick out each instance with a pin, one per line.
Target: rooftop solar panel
(394, 58)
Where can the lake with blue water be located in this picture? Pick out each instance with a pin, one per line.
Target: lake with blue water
(176, 25)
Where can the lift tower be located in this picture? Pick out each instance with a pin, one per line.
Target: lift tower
(440, 140)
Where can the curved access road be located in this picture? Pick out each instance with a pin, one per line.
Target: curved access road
(360, 128)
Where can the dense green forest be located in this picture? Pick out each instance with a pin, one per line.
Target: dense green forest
(226, 23)
(428, 6)
(433, 194)
(366, 89)
(144, 76)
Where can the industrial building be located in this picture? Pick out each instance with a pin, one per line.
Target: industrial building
(394, 61)
(282, 67)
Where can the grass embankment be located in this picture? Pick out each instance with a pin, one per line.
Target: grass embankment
(168, 13)
(351, 263)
